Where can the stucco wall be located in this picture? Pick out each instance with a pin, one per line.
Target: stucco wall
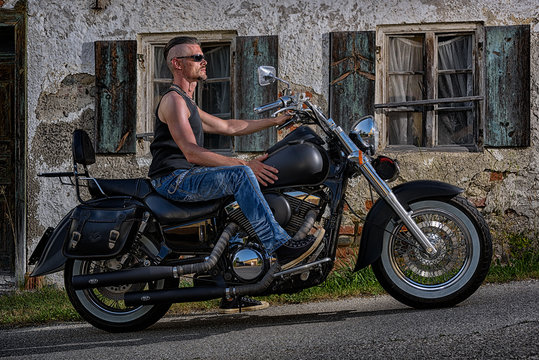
(504, 183)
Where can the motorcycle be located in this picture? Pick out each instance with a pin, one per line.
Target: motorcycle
(128, 254)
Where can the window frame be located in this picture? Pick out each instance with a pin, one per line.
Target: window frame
(430, 31)
(146, 43)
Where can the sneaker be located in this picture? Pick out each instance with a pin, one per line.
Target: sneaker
(240, 304)
(294, 252)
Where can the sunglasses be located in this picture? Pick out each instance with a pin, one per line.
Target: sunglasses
(196, 57)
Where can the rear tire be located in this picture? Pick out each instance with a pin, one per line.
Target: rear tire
(462, 239)
(104, 307)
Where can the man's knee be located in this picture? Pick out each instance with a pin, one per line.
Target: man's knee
(243, 174)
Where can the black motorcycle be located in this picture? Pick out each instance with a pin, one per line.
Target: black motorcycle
(128, 253)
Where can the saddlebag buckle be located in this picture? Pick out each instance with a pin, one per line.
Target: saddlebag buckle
(75, 237)
(113, 237)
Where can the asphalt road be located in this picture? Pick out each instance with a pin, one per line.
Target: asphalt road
(497, 322)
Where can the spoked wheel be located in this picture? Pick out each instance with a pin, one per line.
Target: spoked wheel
(464, 250)
(104, 307)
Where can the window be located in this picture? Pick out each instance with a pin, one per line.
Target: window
(212, 95)
(429, 85)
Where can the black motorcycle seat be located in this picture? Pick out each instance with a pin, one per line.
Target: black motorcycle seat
(171, 212)
(166, 212)
(138, 188)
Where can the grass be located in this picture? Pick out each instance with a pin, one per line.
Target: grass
(50, 304)
(47, 304)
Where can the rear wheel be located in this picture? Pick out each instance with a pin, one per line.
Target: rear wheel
(104, 307)
(464, 253)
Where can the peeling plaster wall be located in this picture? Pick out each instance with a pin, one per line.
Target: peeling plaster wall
(504, 183)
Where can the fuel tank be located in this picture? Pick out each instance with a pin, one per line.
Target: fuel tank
(299, 158)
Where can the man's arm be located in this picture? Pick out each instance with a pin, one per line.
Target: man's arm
(237, 127)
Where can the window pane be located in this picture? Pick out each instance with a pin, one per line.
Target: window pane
(456, 128)
(159, 90)
(161, 70)
(455, 85)
(216, 98)
(455, 52)
(405, 68)
(455, 65)
(218, 58)
(406, 128)
(455, 79)
(406, 83)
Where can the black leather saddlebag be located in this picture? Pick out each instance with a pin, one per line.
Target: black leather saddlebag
(101, 232)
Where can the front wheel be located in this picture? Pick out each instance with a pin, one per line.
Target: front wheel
(464, 252)
(104, 307)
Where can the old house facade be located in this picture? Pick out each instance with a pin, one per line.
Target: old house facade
(453, 85)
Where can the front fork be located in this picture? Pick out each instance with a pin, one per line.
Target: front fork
(387, 194)
(357, 156)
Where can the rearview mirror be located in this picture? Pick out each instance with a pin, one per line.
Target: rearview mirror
(266, 75)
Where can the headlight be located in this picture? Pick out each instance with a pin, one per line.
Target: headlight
(365, 135)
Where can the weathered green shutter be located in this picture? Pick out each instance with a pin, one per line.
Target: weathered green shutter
(252, 52)
(116, 104)
(351, 76)
(508, 86)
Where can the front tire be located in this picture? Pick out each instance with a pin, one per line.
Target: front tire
(462, 239)
(104, 307)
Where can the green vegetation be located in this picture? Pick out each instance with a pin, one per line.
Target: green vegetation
(523, 261)
(50, 304)
(36, 307)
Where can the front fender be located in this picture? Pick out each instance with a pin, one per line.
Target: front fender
(377, 218)
(52, 258)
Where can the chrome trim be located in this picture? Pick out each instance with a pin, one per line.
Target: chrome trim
(406, 218)
(300, 195)
(198, 228)
(94, 180)
(301, 269)
(231, 207)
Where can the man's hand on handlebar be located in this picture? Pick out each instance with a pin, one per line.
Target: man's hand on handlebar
(283, 118)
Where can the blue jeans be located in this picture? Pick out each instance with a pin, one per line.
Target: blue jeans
(208, 183)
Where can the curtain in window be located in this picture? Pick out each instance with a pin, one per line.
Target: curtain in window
(455, 125)
(405, 84)
(216, 94)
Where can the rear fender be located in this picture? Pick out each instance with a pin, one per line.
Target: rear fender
(51, 259)
(377, 218)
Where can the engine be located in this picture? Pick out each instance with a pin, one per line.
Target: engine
(248, 263)
(247, 259)
(289, 210)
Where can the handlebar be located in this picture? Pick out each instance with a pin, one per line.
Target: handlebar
(282, 102)
(268, 107)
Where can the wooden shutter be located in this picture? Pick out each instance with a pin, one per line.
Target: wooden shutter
(116, 82)
(351, 76)
(507, 61)
(252, 52)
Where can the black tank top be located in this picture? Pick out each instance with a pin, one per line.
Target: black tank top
(166, 155)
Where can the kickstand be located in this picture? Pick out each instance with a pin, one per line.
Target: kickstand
(238, 298)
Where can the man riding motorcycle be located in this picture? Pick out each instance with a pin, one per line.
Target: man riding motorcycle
(183, 170)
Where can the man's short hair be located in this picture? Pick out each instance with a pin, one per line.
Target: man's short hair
(179, 40)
